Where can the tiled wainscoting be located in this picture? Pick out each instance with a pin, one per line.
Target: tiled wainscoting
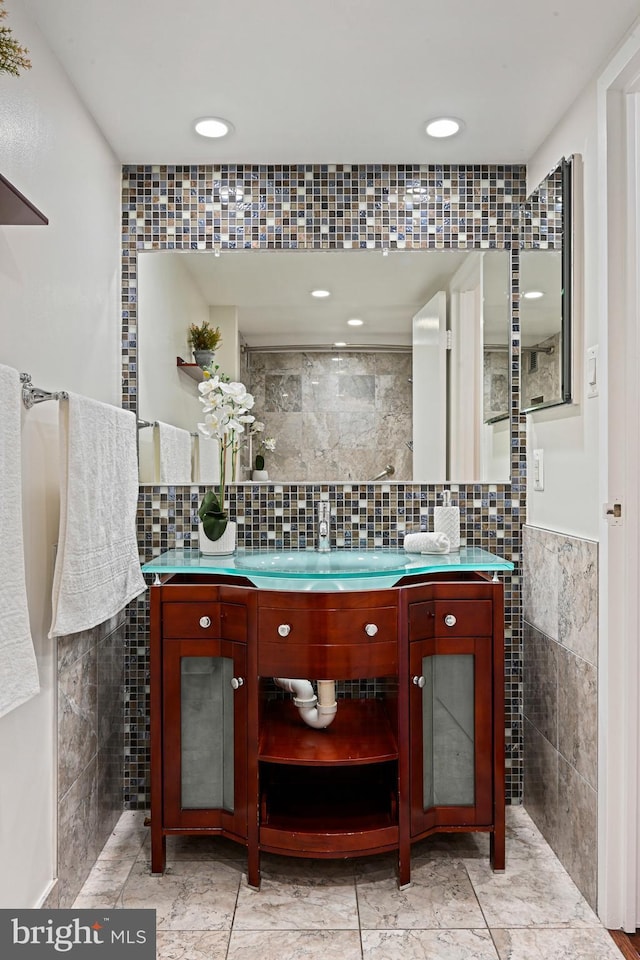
(560, 669)
(90, 750)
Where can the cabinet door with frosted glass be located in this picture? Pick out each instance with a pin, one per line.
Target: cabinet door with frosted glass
(450, 699)
(205, 735)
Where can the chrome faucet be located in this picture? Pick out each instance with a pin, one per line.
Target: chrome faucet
(324, 520)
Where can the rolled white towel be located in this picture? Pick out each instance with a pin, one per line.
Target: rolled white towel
(424, 542)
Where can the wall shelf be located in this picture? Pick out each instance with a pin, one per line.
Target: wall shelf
(15, 209)
(191, 369)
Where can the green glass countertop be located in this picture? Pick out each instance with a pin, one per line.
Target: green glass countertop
(337, 570)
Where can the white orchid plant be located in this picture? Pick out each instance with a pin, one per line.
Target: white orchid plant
(265, 443)
(226, 406)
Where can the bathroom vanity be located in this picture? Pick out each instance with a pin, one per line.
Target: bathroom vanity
(415, 647)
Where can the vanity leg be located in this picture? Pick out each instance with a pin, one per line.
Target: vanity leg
(497, 852)
(158, 850)
(404, 859)
(253, 866)
(404, 870)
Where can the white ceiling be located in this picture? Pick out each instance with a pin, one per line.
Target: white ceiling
(342, 81)
(271, 291)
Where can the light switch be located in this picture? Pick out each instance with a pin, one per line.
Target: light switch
(538, 470)
(592, 371)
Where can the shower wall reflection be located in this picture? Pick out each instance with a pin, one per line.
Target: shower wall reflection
(345, 415)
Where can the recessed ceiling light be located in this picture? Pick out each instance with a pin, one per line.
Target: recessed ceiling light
(354, 322)
(533, 294)
(339, 343)
(443, 126)
(320, 293)
(213, 127)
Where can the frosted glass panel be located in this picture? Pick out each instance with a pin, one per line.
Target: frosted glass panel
(448, 731)
(207, 733)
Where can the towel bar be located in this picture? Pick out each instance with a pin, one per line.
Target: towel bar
(31, 394)
(154, 423)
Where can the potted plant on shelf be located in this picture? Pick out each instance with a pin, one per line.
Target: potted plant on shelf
(267, 443)
(204, 341)
(226, 406)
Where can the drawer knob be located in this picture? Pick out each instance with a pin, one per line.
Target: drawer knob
(237, 682)
(284, 629)
(419, 681)
(371, 629)
(205, 622)
(450, 620)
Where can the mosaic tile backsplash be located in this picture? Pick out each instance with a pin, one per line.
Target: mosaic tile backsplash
(324, 207)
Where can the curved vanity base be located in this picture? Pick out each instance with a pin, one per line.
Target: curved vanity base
(416, 746)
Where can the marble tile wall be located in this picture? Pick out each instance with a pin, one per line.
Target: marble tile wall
(560, 674)
(542, 378)
(90, 749)
(344, 415)
(495, 386)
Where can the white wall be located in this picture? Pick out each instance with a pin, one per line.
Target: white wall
(228, 353)
(59, 321)
(168, 302)
(568, 435)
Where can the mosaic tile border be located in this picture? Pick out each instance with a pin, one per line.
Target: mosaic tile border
(541, 216)
(321, 207)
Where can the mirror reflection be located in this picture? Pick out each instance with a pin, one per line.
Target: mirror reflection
(417, 391)
(541, 326)
(545, 292)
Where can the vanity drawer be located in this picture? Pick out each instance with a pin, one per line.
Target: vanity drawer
(204, 620)
(350, 661)
(450, 618)
(328, 643)
(333, 627)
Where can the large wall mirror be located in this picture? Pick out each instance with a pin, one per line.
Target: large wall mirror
(546, 287)
(418, 390)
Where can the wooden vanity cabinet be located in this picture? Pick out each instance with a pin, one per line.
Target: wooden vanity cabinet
(416, 746)
(456, 710)
(201, 710)
(329, 792)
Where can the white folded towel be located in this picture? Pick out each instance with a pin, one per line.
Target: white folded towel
(206, 462)
(18, 667)
(173, 454)
(97, 570)
(424, 542)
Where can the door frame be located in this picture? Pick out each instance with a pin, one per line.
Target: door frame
(618, 151)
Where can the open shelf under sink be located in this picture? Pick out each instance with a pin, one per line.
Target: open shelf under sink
(360, 734)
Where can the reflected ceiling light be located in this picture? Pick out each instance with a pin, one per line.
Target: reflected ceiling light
(533, 294)
(354, 322)
(339, 343)
(320, 293)
(212, 127)
(443, 126)
(416, 195)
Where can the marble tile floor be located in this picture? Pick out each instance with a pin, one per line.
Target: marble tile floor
(455, 909)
